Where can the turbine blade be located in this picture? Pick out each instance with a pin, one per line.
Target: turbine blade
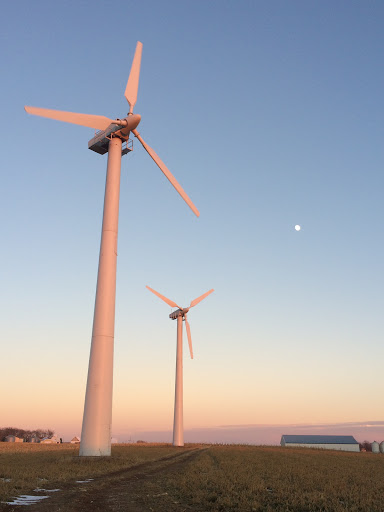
(96, 122)
(133, 79)
(168, 301)
(199, 299)
(167, 173)
(188, 329)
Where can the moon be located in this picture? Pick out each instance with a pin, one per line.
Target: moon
(297, 227)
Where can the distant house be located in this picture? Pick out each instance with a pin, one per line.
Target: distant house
(34, 439)
(13, 439)
(50, 440)
(344, 443)
(75, 440)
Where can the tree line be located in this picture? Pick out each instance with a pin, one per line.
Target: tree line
(365, 445)
(25, 434)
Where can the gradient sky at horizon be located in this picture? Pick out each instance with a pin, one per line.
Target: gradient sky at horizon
(269, 114)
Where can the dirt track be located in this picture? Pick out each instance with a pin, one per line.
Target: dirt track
(136, 489)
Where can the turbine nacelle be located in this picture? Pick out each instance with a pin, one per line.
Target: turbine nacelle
(179, 312)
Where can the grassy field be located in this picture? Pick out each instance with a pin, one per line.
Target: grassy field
(234, 478)
(220, 478)
(25, 466)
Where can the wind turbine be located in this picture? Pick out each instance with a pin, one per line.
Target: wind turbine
(180, 314)
(97, 418)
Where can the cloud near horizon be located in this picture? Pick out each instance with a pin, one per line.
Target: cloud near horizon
(261, 434)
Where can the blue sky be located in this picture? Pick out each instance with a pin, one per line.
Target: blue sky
(269, 114)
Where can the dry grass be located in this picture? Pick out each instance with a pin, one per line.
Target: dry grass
(237, 478)
(28, 465)
(221, 478)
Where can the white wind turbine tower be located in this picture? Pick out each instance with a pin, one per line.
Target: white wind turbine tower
(113, 139)
(180, 314)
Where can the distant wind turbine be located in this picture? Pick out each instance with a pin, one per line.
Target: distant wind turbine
(180, 314)
(97, 419)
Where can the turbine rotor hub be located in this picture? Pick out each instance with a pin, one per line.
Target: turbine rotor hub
(128, 124)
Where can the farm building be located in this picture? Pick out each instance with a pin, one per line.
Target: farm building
(75, 440)
(375, 447)
(345, 443)
(50, 440)
(13, 439)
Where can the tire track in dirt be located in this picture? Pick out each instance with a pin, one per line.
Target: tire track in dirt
(129, 489)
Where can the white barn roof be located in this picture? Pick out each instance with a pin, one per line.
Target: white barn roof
(318, 439)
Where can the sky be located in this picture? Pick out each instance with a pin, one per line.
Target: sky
(269, 114)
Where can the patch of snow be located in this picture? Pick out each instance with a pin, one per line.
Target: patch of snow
(45, 490)
(5, 479)
(84, 481)
(25, 499)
